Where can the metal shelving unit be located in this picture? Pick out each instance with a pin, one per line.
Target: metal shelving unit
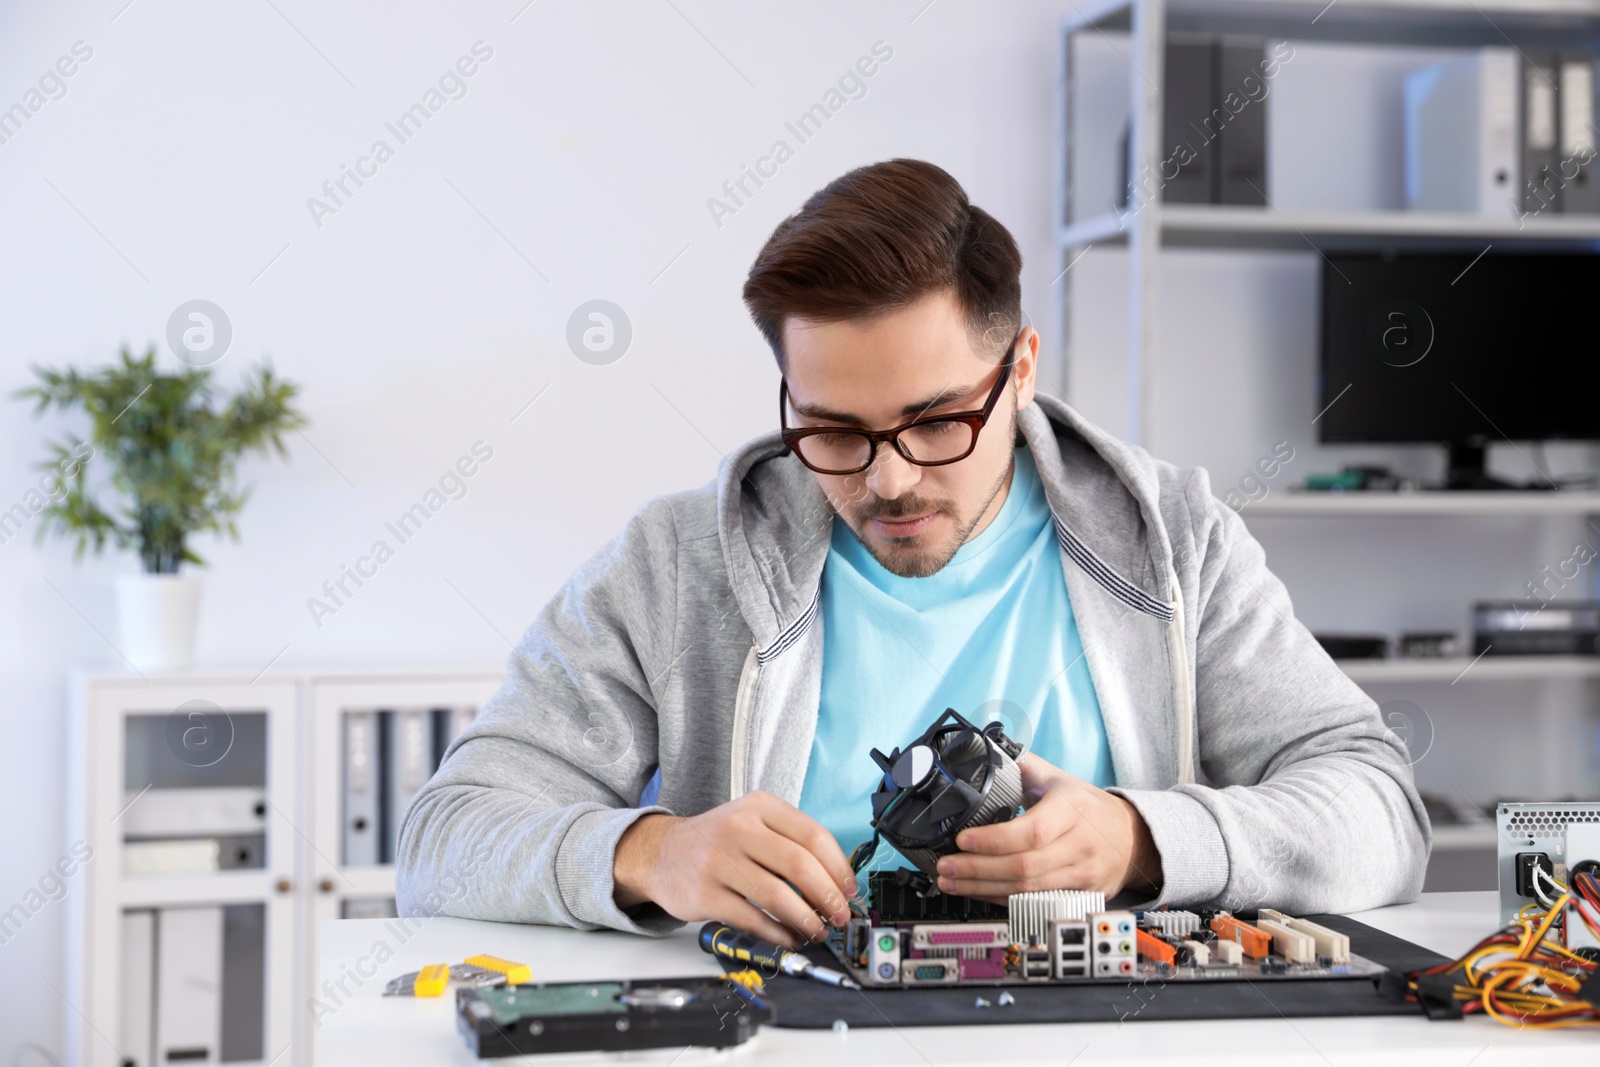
(1421, 504)
(1153, 224)
(1461, 670)
(1236, 226)
(1464, 838)
(1476, 669)
(1148, 226)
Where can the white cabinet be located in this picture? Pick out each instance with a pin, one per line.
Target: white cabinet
(206, 815)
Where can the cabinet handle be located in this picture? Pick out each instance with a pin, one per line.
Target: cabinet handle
(283, 885)
(326, 885)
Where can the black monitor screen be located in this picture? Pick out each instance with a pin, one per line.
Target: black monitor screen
(1453, 348)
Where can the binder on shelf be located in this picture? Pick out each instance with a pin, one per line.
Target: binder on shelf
(389, 756)
(1539, 189)
(448, 723)
(137, 988)
(193, 855)
(408, 762)
(1580, 191)
(1239, 167)
(365, 908)
(189, 985)
(182, 856)
(244, 989)
(238, 852)
(1186, 108)
(193, 812)
(360, 786)
(1214, 125)
(1461, 133)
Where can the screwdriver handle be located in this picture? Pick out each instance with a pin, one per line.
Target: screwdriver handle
(722, 940)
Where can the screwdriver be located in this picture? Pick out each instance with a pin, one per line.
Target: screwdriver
(725, 942)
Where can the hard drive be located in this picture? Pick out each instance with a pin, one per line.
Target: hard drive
(609, 1016)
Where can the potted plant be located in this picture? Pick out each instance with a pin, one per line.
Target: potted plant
(169, 447)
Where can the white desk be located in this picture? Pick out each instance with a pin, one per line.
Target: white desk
(400, 1031)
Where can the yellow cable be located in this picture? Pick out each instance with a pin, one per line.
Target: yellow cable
(1520, 983)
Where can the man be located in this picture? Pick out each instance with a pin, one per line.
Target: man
(684, 733)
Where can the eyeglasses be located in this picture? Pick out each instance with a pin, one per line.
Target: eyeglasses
(928, 442)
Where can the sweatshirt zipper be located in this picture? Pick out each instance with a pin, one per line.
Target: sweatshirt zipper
(744, 698)
(1183, 692)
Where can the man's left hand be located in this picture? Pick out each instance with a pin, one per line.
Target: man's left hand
(1072, 836)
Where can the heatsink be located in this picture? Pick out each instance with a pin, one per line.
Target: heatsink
(1172, 923)
(1031, 912)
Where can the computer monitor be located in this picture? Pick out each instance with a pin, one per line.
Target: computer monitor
(1460, 350)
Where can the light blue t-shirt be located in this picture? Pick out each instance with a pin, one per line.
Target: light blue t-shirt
(991, 635)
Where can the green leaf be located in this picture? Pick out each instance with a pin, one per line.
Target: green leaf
(165, 449)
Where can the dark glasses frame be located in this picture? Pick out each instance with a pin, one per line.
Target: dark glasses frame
(975, 420)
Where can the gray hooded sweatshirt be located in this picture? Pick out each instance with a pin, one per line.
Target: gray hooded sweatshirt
(691, 645)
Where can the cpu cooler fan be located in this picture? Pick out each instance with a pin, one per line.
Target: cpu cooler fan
(952, 777)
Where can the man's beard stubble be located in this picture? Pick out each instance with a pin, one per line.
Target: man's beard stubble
(921, 563)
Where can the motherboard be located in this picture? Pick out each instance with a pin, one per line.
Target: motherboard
(909, 937)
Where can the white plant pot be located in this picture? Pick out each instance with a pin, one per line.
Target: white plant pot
(157, 614)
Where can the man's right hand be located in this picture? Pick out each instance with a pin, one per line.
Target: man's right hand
(724, 862)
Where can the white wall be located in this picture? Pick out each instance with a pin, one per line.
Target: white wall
(178, 165)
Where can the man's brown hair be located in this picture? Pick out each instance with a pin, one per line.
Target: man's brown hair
(880, 238)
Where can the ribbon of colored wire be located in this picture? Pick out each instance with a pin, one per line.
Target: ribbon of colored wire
(1523, 975)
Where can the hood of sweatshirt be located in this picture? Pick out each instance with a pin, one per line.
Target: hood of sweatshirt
(775, 522)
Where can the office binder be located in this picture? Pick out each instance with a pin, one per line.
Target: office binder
(181, 856)
(408, 764)
(189, 985)
(193, 812)
(1187, 120)
(373, 908)
(1461, 133)
(361, 779)
(138, 988)
(1239, 171)
(1580, 192)
(237, 852)
(1540, 184)
(1211, 153)
(244, 982)
(448, 723)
